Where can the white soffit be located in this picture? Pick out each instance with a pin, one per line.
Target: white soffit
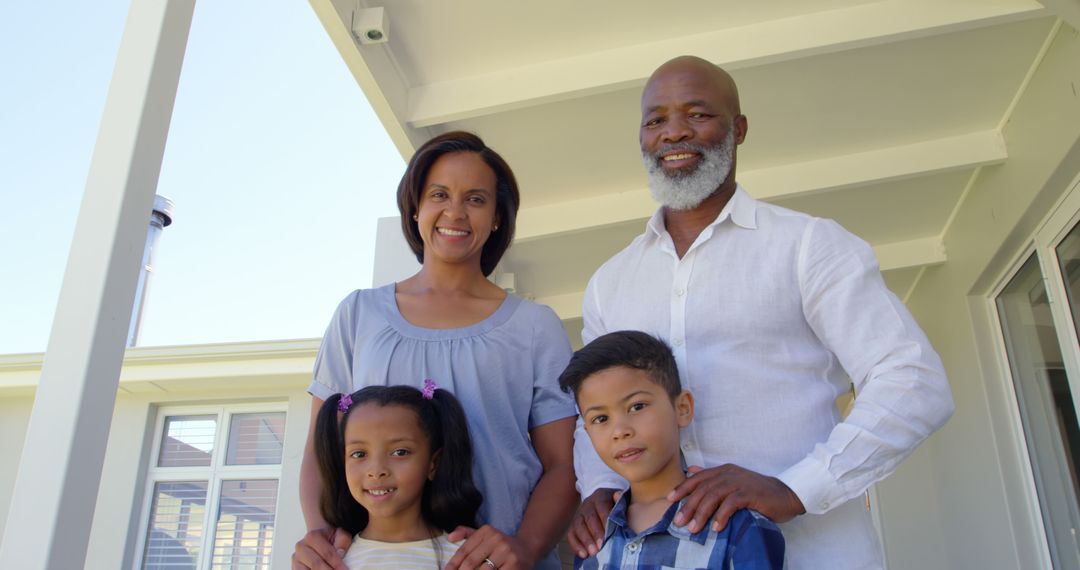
(874, 113)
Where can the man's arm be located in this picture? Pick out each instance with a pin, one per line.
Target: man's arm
(902, 395)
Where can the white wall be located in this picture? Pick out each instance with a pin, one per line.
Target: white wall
(121, 496)
(14, 417)
(394, 261)
(961, 501)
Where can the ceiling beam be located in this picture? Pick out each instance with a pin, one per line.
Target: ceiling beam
(799, 179)
(767, 42)
(900, 255)
(1068, 10)
(912, 253)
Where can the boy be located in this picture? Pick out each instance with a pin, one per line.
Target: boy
(627, 388)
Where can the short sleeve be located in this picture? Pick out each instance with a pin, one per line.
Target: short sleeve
(333, 364)
(756, 542)
(551, 353)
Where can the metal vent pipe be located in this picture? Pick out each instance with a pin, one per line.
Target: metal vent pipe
(160, 218)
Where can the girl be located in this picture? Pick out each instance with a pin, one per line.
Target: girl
(396, 473)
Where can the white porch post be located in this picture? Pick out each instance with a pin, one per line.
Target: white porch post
(56, 488)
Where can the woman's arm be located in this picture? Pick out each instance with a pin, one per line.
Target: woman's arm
(554, 498)
(547, 514)
(310, 485)
(321, 545)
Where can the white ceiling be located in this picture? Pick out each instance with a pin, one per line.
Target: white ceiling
(874, 113)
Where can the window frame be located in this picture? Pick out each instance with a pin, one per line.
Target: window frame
(1042, 244)
(214, 474)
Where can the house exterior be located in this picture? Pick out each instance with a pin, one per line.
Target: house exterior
(947, 135)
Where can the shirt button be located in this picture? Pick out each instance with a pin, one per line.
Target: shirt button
(633, 546)
(824, 504)
(680, 292)
(678, 342)
(688, 445)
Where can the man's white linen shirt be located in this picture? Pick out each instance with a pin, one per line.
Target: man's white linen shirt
(765, 312)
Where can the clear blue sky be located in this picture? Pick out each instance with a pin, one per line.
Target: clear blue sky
(276, 162)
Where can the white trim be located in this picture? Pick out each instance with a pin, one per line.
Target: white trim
(1059, 220)
(1006, 382)
(1049, 237)
(214, 474)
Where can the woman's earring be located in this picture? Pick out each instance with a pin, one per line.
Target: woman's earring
(495, 228)
(415, 218)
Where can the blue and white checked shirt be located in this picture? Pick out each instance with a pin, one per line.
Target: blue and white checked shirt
(749, 542)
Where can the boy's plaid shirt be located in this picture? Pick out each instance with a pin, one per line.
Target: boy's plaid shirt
(750, 541)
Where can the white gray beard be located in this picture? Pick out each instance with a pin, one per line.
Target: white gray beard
(688, 191)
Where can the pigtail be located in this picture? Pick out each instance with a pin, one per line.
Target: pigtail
(452, 498)
(336, 503)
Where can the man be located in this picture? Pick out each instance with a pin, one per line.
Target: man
(766, 309)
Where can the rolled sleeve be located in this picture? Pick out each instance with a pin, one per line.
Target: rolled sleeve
(902, 395)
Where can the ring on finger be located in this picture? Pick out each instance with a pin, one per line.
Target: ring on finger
(489, 563)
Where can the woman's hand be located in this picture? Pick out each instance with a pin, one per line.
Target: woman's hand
(486, 548)
(322, 549)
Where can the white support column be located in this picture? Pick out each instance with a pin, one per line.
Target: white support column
(56, 488)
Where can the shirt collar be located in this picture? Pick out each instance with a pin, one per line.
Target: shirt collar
(741, 208)
(617, 522)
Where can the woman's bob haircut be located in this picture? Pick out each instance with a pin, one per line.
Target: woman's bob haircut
(507, 198)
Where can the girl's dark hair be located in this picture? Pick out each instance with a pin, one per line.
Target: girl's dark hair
(450, 499)
(507, 198)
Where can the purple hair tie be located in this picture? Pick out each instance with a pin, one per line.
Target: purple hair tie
(344, 403)
(429, 389)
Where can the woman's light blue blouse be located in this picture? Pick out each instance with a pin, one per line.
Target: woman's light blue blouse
(504, 370)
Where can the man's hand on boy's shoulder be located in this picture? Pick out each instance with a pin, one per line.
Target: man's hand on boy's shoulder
(586, 534)
(718, 492)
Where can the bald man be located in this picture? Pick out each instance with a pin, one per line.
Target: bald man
(772, 314)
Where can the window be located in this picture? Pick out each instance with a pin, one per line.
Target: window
(1038, 309)
(212, 488)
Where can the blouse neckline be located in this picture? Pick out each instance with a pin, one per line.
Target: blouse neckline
(403, 326)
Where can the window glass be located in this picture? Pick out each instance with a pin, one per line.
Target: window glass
(256, 439)
(245, 525)
(188, 441)
(176, 526)
(1046, 406)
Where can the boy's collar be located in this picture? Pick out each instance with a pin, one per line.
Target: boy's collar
(618, 519)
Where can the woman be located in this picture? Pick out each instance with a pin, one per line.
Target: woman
(499, 354)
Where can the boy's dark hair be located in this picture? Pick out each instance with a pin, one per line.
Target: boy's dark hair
(507, 198)
(450, 499)
(632, 349)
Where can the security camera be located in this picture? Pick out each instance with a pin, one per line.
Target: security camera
(370, 26)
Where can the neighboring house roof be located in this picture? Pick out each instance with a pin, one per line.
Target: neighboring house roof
(202, 368)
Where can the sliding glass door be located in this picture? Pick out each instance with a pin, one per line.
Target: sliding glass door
(1039, 312)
